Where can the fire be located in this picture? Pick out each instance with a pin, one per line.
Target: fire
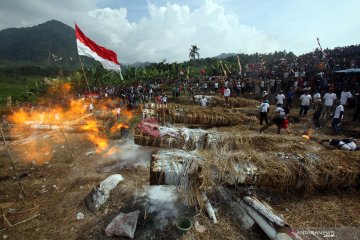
(128, 114)
(306, 137)
(94, 137)
(101, 143)
(118, 127)
(308, 134)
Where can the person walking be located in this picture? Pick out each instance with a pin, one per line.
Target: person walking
(280, 99)
(305, 103)
(264, 109)
(338, 115)
(329, 98)
(227, 95)
(317, 113)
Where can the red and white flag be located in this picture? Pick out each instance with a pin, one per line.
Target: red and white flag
(87, 47)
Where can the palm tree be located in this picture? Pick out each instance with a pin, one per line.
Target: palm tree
(193, 52)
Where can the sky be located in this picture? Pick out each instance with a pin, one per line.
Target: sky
(157, 30)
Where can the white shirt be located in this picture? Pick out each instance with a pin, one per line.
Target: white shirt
(281, 111)
(227, 92)
(339, 109)
(280, 98)
(344, 97)
(316, 96)
(203, 102)
(91, 106)
(216, 84)
(264, 107)
(329, 99)
(305, 99)
(118, 110)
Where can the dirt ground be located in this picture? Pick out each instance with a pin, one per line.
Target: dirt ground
(56, 185)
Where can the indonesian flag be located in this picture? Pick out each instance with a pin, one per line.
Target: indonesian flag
(87, 47)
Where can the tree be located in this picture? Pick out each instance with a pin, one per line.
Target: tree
(193, 52)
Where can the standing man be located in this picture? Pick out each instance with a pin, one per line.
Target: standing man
(317, 113)
(280, 99)
(118, 112)
(289, 97)
(264, 109)
(203, 101)
(329, 98)
(305, 103)
(338, 115)
(344, 96)
(227, 95)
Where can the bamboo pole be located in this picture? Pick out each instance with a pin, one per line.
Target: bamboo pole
(12, 163)
(87, 83)
(68, 144)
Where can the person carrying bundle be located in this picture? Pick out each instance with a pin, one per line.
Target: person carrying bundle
(279, 119)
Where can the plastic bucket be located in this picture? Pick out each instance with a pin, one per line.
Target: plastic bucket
(183, 224)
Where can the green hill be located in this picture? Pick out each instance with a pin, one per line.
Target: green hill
(50, 43)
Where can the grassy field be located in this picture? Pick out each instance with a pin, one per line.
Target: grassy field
(11, 89)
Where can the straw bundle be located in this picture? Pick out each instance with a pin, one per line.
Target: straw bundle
(235, 102)
(204, 116)
(279, 170)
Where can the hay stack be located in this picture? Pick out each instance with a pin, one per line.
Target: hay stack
(235, 102)
(198, 139)
(283, 171)
(214, 117)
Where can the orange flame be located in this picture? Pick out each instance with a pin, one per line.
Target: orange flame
(306, 137)
(94, 137)
(118, 127)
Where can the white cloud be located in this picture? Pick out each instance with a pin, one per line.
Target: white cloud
(169, 30)
(165, 33)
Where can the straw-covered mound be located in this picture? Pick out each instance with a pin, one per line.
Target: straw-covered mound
(207, 116)
(234, 102)
(284, 170)
(203, 170)
(197, 139)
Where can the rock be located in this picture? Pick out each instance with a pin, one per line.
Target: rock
(80, 216)
(100, 194)
(123, 224)
(200, 228)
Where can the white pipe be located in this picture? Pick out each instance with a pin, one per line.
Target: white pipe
(209, 208)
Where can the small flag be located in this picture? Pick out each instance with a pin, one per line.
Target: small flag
(87, 47)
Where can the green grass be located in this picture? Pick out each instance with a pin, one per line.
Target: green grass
(11, 89)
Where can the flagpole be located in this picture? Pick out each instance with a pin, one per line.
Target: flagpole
(121, 76)
(87, 83)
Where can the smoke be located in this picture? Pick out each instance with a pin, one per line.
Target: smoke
(125, 154)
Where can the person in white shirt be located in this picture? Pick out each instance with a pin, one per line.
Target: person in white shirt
(264, 109)
(164, 100)
(316, 96)
(338, 115)
(280, 99)
(305, 103)
(203, 101)
(118, 111)
(329, 98)
(344, 96)
(216, 86)
(343, 144)
(227, 95)
(91, 107)
(347, 144)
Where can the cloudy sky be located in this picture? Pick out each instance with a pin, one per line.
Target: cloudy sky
(153, 30)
